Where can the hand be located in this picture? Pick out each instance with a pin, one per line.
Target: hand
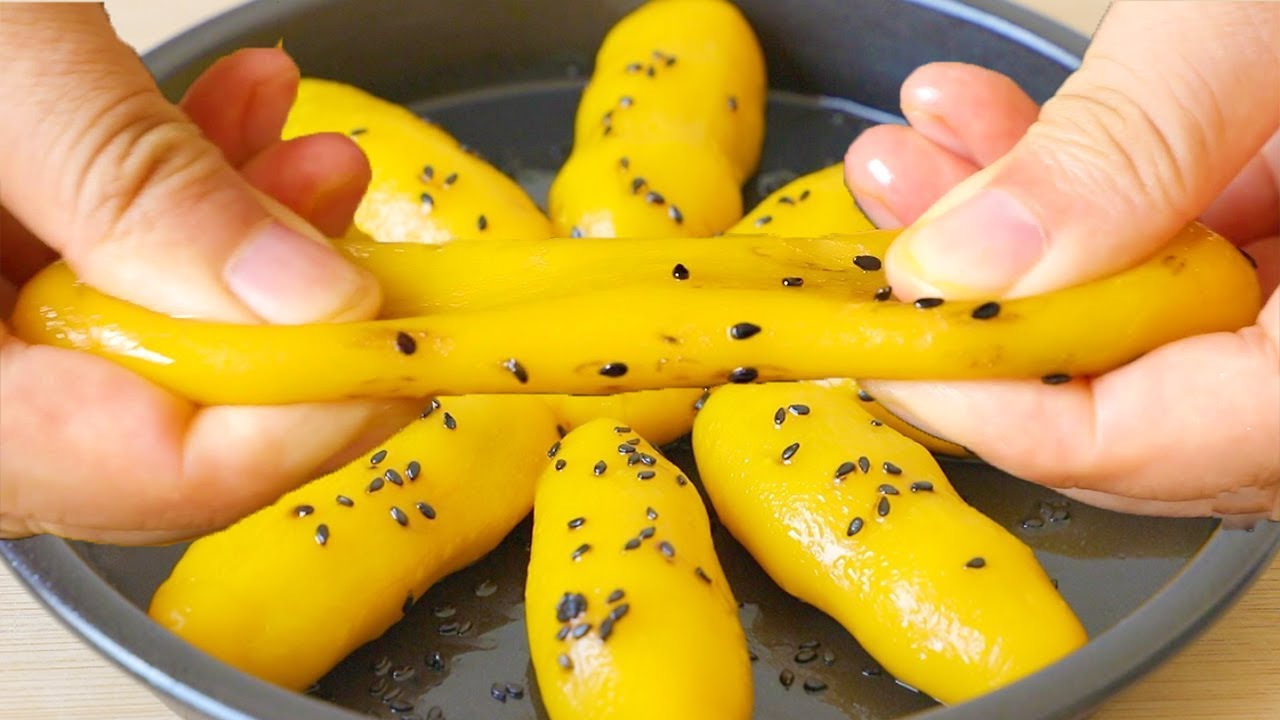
(1172, 116)
(199, 210)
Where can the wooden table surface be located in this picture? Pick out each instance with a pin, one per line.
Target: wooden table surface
(1231, 673)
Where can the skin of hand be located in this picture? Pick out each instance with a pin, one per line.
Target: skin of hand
(198, 210)
(1172, 116)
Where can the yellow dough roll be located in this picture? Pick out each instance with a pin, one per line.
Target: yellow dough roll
(628, 612)
(859, 521)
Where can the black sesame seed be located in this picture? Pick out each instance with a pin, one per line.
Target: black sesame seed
(887, 489)
(798, 409)
(393, 477)
(615, 596)
(624, 162)
(872, 671)
(375, 485)
(303, 510)
(891, 468)
(378, 457)
(625, 449)
(870, 263)
(786, 200)
(1056, 379)
(634, 67)
(655, 198)
(649, 71)
(560, 464)
(651, 513)
(882, 507)
(790, 451)
(357, 131)
(743, 330)
(632, 544)
(405, 607)
(449, 422)
(426, 199)
(435, 661)
(702, 575)
(405, 343)
(450, 179)
(702, 399)
(845, 468)
(613, 369)
(763, 220)
(648, 459)
(345, 501)
(428, 173)
(667, 549)
(828, 658)
(322, 534)
(620, 611)
(398, 515)
(580, 630)
(792, 282)
(681, 480)
(864, 396)
(804, 195)
(482, 222)
(636, 183)
(427, 511)
(680, 272)
(807, 655)
(576, 523)
(876, 423)
(380, 685)
(599, 468)
(674, 213)
(976, 563)
(498, 692)
(883, 293)
(486, 588)
(431, 407)
(645, 475)
(733, 103)
(606, 628)
(927, 303)
(580, 551)
(632, 441)
(922, 486)
(563, 661)
(633, 459)
(413, 470)
(555, 448)
(646, 533)
(626, 101)
(985, 311)
(786, 677)
(514, 367)
(855, 526)
(400, 706)
(575, 232)
(743, 375)
(515, 690)
(780, 416)
(864, 464)
(444, 612)
(814, 685)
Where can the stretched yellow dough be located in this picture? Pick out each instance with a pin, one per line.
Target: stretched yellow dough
(659, 336)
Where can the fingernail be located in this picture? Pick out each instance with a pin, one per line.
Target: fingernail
(980, 247)
(288, 278)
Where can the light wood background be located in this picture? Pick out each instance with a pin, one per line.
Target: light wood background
(1230, 673)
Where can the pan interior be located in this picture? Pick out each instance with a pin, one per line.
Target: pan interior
(467, 633)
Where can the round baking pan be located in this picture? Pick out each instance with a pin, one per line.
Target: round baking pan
(504, 76)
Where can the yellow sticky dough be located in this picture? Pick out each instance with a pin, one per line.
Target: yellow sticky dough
(477, 274)
(947, 600)
(812, 205)
(663, 337)
(289, 591)
(674, 647)
(426, 188)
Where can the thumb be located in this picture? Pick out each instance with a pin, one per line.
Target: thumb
(118, 180)
(1171, 101)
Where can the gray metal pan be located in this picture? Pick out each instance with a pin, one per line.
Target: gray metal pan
(504, 76)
